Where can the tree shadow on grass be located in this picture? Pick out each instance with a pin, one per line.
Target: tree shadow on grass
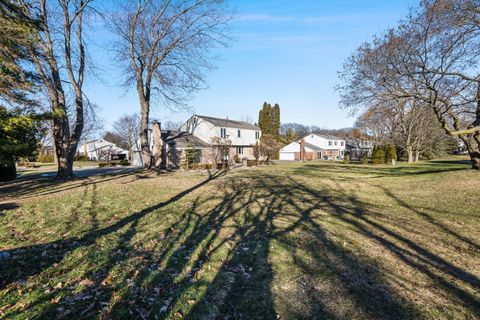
(32, 261)
(261, 245)
(371, 171)
(38, 186)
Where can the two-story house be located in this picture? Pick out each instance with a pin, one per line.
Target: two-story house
(197, 134)
(314, 146)
(243, 135)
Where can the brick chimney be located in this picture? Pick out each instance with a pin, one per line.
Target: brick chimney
(302, 150)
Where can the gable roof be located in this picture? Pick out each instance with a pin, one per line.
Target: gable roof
(229, 123)
(182, 139)
(313, 147)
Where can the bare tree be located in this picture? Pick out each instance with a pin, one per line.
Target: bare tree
(59, 58)
(171, 125)
(166, 45)
(218, 151)
(269, 146)
(247, 119)
(128, 128)
(431, 58)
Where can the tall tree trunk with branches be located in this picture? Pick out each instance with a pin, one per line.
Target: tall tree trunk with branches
(59, 59)
(167, 44)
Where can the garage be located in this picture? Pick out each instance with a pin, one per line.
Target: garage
(288, 152)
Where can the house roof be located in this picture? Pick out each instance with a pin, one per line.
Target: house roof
(313, 147)
(229, 123)
(327, 136)
(182, 139)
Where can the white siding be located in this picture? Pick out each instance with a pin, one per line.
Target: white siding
(206, 130)
(288, 156)
(324, 143)
(292, 147)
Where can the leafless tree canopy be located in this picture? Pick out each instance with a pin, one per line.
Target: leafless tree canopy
(165, 46)
(59, 59)
(431, 58)
(128, 127)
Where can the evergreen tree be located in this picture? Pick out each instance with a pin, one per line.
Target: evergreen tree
(378, 155)
(289, 136)
(16, 81)
(276, 122)
(269, 123)
(19, 137)
(390, 153)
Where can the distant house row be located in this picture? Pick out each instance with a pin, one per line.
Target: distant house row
(197, 133)
(313, 147)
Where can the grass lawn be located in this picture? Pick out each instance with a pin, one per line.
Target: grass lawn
(290, 241)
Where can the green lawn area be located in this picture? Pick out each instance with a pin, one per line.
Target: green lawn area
(290, 241)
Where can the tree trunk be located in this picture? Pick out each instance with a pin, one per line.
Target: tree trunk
(64, 163)
(417, 156)
(144, 143)
(410, 155)
(475, 158)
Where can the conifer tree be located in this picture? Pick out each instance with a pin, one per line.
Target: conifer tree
(269, 123)
(16, 81)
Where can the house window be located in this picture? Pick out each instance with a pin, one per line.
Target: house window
(330, 143)
(238, 133)
(257, 135)
(342, 143)
(239, 150)
(223, 133)
(336, 142)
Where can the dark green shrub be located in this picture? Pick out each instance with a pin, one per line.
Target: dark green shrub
(391, 153)
(124, 162)
(378, 155)
(8, 171)
(237, 159)
(104, 164)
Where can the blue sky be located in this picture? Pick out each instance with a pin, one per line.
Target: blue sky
(286, 52)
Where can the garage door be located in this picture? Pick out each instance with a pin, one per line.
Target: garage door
(287, 156)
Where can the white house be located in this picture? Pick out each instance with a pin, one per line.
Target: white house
(314, 146)
(197, 133)
(243, 135)
(100, 149)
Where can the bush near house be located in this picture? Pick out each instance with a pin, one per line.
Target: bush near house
(81, 158)
(46, 158)
(391, 153)
(19, 136)
(378, 155)
(384, 154)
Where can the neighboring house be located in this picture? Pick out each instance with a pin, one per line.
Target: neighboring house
(197, 133)
(243, 135)
(175, 142)
(359, 148)
(102, 150)
(313, 147)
